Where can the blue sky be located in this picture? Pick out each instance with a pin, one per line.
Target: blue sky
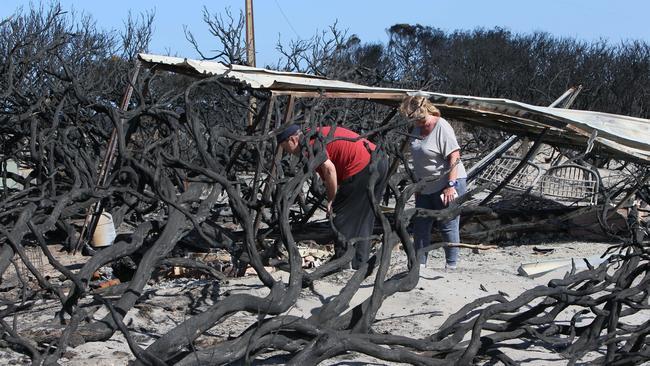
(289, 19)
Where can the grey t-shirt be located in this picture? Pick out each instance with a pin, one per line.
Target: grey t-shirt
(430, 155)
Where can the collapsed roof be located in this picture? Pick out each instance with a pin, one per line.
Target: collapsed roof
(615, 135)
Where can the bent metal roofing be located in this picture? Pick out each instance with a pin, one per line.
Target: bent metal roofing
(619, 136)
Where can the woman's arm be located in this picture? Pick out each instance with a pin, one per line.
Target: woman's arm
(449, 193)
(453, 159)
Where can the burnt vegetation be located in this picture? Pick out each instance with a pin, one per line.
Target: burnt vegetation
(186, 153)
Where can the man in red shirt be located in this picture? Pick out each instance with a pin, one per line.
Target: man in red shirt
(346, 176)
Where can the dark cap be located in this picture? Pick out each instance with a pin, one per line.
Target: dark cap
(287, 132)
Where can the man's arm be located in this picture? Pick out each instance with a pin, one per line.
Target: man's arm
(327, 172)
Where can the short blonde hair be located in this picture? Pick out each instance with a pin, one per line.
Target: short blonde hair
(416, 107)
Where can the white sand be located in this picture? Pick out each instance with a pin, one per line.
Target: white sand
(417, 313)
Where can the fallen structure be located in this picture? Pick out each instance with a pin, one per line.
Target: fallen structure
(613, 135)
(558, 190)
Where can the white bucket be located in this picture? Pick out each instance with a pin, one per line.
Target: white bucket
(104, 234)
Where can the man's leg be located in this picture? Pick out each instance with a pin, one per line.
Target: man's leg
(382, 170)
(367, 227)
(353, 215)
(342, 217)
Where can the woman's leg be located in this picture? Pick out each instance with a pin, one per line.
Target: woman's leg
(422, 226)
(450, 230)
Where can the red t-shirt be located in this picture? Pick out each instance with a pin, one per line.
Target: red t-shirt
(348, 157)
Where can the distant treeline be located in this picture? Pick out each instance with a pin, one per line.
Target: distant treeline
(533, 68)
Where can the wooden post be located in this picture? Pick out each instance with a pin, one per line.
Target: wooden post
(288, 115)
(265, 129)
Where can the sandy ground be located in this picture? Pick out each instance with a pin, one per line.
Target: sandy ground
(417, 313)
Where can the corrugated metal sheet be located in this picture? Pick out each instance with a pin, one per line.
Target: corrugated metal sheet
(255, 77)
(622, 136)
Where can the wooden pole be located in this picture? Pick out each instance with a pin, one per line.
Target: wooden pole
(250, 34)
(250, 54)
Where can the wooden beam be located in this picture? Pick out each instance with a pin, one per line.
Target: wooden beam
(388, 96)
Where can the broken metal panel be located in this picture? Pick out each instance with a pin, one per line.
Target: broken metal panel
(620, 135)
(564, 101)
(536, 269)
(630, 131)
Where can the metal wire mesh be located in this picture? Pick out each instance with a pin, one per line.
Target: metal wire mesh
(566, 184)
(35, 256)
(573, 183)
(503, 166)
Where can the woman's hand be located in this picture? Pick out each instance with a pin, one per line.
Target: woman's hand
(448, 195)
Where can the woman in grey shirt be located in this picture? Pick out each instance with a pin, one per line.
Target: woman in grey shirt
(435, 154)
